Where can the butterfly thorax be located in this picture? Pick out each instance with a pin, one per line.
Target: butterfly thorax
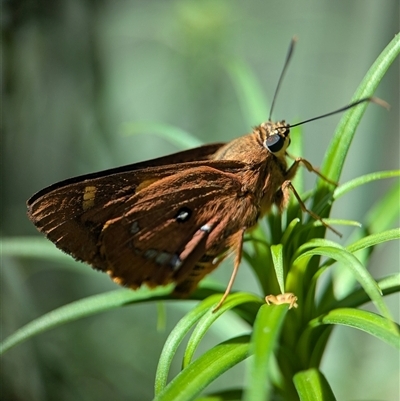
(266, 169)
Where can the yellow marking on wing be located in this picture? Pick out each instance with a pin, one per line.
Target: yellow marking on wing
(144, 184)
(89, 195)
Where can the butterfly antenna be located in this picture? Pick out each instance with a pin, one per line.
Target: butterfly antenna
(349, 106)
(288, 57)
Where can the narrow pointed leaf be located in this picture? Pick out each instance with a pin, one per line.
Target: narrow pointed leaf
(277, 258)
(79, 309)
(360, 272)
(311, 385)
(372, 323)
(176, 337)
(204, 370)
(364, 179)
(210, 317)
(265, 339)
(337, 151)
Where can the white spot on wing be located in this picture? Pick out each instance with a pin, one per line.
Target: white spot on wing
(183, 216)
(206, 228)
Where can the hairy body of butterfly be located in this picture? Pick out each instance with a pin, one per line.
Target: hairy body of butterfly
(171, 219)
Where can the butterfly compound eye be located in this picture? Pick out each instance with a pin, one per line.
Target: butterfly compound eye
(274, 143)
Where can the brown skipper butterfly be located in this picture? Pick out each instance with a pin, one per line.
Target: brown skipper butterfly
(175, 218)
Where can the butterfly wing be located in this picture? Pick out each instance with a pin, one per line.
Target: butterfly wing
(176, 230)
(60, 210)
(79, 214)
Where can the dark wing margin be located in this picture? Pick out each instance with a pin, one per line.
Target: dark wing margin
(196, 154)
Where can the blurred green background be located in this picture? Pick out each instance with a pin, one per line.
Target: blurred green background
(76, 72)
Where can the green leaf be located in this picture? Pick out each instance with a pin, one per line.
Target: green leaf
(369, 322)
(341, 280)
(277, 259)
(363, 243)
(226, 395)
(296, 274)
(207, 287)
(374, 239)
(364, 179)
(290, 230)
(337, 151)
(175, 338)
(336, 222)
(385, 211)
(311, 385)
(376, 325)
(82, 308)
(314, 243)
(359, 271)
(210, 317)
(388, 285)
(204, 370)
(265, 339)
(260, 258)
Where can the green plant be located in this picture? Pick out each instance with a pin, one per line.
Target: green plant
(287, 346)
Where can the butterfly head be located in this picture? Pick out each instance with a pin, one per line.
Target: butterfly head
(275, 137)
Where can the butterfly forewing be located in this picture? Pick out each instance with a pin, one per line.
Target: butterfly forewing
(72, 212)
(131, 221)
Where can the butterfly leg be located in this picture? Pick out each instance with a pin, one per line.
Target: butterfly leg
(237, 245)
(291, 172)
(288, 185)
